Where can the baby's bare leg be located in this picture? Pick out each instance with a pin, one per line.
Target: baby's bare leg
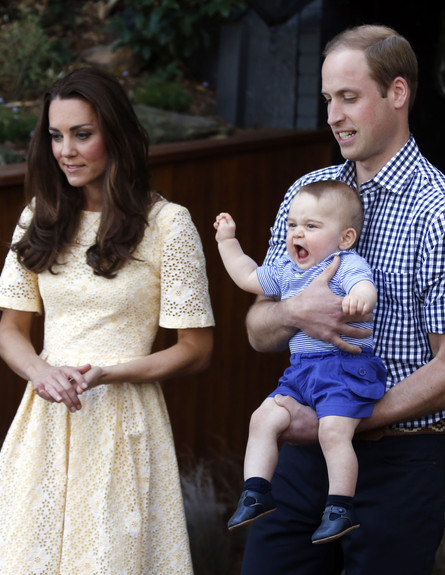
(335, 434)
(266, 424)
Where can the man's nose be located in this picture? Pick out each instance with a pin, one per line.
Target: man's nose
(335, 113)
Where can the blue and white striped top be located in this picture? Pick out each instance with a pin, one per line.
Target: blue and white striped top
(403, 240)
(284, 278)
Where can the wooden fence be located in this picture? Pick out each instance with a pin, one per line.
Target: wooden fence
(246, 175)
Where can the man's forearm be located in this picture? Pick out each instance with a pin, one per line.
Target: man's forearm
(418, 395)
(266, 326)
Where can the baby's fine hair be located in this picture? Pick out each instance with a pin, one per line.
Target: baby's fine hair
(348, 199)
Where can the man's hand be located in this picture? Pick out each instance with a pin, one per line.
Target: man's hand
(321, 313)
(316, 310)
(303, 427)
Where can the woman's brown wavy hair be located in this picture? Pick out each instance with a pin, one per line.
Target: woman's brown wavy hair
(126, 194)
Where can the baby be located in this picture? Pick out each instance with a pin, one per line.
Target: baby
(325, 220)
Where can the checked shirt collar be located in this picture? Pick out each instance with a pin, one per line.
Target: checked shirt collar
(394, 176)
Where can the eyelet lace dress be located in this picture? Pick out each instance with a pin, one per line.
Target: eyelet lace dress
(97, 492)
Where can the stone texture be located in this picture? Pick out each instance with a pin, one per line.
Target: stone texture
(117, 60)
(163, 126)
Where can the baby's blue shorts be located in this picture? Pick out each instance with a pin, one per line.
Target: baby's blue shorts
(336, 383)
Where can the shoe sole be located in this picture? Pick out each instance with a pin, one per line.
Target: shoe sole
(337, 536)
(251, 520)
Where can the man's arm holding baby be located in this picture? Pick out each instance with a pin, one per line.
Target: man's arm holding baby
(316, 310)
(420, 393)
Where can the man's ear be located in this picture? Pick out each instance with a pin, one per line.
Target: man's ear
(400, 92)
(347, 240)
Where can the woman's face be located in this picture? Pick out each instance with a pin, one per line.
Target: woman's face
(78, 146)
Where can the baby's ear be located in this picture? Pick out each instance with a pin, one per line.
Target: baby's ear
(347, 240)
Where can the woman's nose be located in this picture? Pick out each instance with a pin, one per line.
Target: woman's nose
(68, 148)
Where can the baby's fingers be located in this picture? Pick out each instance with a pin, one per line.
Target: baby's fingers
(349, 306)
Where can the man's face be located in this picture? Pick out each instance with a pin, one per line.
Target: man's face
(364, 122)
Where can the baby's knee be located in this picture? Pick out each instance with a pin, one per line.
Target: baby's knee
(333, 430)
(269, 416)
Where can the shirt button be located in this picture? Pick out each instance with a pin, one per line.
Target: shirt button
(362, 371)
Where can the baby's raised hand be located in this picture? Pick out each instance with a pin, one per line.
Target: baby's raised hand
(353, 304)
(225, 227)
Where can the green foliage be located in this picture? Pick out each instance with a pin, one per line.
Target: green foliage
(16, 124)
(29, 60)
(164, 94)
(166, 31)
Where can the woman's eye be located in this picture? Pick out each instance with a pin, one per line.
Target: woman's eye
(55, 137)
(83, 135)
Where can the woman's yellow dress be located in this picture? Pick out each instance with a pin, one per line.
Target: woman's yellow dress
(97, 492)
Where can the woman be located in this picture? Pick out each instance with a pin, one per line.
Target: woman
(88, 475)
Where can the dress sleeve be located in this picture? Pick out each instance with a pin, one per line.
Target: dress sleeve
(185, 300)
(19, 288)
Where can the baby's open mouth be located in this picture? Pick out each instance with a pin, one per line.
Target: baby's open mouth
(301, 252)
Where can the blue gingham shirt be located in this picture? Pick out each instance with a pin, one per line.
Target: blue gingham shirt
(284, 279)
(403, 240)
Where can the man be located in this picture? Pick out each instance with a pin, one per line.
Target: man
(369, 80)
